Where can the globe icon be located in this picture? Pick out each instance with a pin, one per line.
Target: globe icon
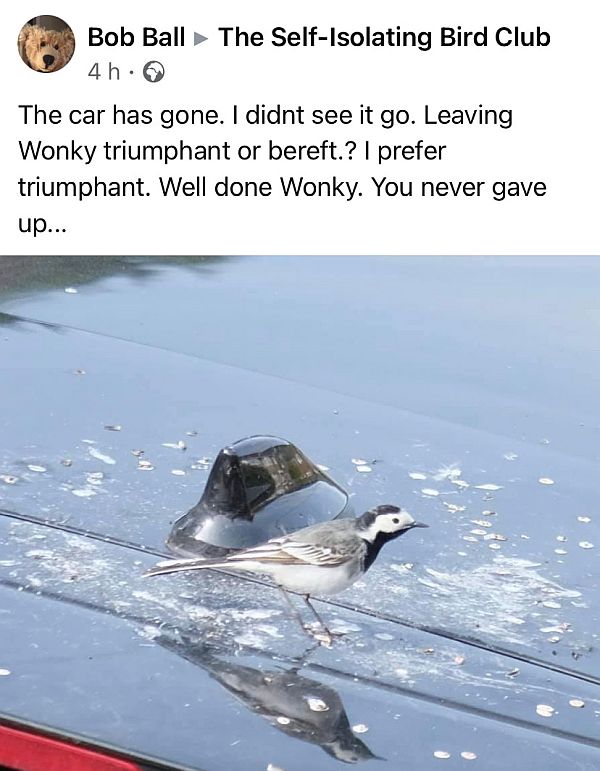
(154, 71)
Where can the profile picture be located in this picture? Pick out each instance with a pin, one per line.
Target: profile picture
(46, 43)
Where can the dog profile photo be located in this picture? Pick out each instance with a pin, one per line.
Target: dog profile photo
(46, 43)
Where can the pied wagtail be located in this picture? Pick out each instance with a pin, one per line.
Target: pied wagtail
(321, 559)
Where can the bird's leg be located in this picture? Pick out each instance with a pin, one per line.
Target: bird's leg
(322, 624)
(293, 610)
(325, 638)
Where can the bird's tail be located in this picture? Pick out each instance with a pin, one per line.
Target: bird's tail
(175, 566)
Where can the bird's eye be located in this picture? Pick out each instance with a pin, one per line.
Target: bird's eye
(396, 521)
(56, 48)
(43, 44)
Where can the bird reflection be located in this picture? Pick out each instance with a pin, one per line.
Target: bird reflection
(296, 705)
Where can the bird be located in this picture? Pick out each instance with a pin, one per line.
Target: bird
(321, 559)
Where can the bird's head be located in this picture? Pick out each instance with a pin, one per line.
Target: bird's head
(386, 521)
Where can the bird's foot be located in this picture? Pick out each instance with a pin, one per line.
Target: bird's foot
(321, 634)
(324, 638)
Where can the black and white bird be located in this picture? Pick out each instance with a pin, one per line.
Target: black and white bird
(321, 559)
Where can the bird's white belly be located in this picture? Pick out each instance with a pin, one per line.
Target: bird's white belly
(311, 579)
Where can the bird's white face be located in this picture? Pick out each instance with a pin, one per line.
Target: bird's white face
(391, 523)
(388, 522)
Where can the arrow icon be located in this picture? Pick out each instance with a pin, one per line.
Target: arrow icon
(198, 38)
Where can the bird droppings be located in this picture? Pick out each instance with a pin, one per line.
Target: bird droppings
(498, 596)
(358, 461)
(67, 462)
(402, 567)
(70, 290)
(137, 453)
(364, 469)
(551, 604)
(317, 705)
(273, 767)
(586, 545)
(321, 467)
(447, 472)
(180, 445)
(584, 519)
(417, 475)
(282, 720)
(488, 486)
(460, 483)
(481, 522)
(561, 538)
(560, 551)
(478, 531)
(494, 546)
(510, 456)
(9, 479)
(178, 472)
(562, 628)
(360, 728)
(546, 481)
(79, 372)
(253, 613)
(441, 754)
(4, 672)
(344, 627)
(113, 428)
(145, 465)
(545, 710)
(459, 660)
(577, 703)
(269, 630)
(466, 755)
(84, 492)
(149, 632)
(430, 491)
(454, 507)
(101, 456)
(38, 469)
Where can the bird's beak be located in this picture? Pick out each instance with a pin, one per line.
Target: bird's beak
(419, 524)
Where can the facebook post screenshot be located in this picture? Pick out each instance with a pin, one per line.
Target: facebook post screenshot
(300, 386)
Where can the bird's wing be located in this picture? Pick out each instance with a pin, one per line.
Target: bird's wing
(286, 551)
